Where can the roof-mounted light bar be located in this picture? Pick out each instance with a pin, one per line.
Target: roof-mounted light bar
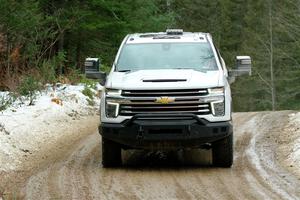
(174, 31)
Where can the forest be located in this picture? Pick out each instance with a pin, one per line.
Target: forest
(47, 41)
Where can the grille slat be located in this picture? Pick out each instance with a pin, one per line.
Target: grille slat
(164, 107)
(158, 93)
(144, 102)
(152, 103)
(164, 112)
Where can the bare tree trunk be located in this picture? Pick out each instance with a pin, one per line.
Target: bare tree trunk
(79, 62)
(7, 55)
(60, 49)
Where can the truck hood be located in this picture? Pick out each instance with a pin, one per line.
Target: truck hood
(164, 79)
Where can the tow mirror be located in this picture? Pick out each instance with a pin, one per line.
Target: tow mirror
(92, 70)
(243, 67)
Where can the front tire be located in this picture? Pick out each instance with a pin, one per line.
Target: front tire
(222, 152)
(111, 153)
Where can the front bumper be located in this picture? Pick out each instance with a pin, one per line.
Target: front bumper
(165, 131)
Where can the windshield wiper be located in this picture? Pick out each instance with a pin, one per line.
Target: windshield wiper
(201, 70)
(124, 70)
(182, 68)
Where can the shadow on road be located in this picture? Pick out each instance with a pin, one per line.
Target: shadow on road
(169, 159)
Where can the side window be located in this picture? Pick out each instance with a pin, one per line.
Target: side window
(219, 56)
(221, 59)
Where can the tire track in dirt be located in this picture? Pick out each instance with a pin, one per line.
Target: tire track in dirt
(255, 174)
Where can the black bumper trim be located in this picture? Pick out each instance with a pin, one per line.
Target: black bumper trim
(165, 131)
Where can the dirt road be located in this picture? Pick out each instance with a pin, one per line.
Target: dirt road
(256, 173)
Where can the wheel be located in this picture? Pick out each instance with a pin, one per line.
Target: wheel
(111, 153)
(222, 152)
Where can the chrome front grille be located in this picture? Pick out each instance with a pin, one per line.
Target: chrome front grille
(145, 102)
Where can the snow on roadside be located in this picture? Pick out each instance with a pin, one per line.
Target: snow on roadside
(294, 157)
(24, 129)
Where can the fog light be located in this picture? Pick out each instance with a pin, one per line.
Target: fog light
(218, 109)
(111, 109)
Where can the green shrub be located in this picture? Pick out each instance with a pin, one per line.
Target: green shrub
(5, 101)
(90, 94)
(91, 102)
(74, 76)
(90, 83)
(28, 88)
(47, 72)
(50, 69)
(59, 61)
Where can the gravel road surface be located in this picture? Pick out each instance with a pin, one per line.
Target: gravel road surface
(259, 171)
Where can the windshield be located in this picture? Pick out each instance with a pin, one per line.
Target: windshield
(197, 56)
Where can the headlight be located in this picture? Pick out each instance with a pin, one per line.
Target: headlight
(113, 92)
(111, 103)
(111, 109)
(219, 90)
(218, 107)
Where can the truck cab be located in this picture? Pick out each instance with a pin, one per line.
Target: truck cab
(169, 91)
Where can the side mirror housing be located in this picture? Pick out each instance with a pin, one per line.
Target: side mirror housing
(92, 70)
(243, 67)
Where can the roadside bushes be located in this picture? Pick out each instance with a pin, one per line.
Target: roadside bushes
(90, 95)
(47, 71)
(25, 91)
(90, 88)
(6, 99)
(28, 88)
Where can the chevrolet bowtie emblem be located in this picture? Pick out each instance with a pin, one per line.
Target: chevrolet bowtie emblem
(165, 100)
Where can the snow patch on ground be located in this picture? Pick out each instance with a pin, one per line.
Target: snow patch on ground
(262, 125)
(25, 129)
(295, 154)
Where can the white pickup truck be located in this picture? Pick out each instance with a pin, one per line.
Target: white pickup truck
(169, 91)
